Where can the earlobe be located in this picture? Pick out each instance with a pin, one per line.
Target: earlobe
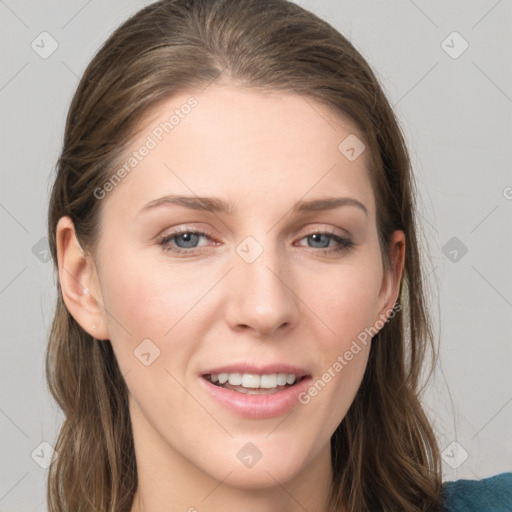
(79, 282)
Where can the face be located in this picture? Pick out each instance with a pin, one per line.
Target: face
(268, 281)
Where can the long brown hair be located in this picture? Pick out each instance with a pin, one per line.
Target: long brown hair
(384, 452)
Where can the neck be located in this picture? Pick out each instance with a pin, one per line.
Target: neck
(167, 482)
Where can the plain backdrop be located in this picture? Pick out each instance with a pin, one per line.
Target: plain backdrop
(445, 67)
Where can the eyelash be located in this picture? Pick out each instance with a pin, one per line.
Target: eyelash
(344, 244)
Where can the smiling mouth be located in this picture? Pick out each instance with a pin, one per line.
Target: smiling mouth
(254, 384)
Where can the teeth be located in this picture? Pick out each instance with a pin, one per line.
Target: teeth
(268, 381)
(281, 379)
(254, 381)
(235, 379)
(250, 380)
(290, 379)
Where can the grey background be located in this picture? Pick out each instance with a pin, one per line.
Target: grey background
(456, 113)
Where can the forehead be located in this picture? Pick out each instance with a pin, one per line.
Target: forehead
(264, 145)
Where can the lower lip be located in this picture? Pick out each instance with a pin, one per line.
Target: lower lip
(257, 406)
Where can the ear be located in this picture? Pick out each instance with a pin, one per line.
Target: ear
(79, 282)
(392, 278)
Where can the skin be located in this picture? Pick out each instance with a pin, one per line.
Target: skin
(297, 304)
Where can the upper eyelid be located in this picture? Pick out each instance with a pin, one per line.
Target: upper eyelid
(203, 231)
(186, 229)
(328, 231)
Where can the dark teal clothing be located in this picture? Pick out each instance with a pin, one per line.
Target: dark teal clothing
(493, 494)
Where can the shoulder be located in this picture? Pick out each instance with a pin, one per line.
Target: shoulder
(493, 494)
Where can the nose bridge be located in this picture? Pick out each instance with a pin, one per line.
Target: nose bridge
(262, 297)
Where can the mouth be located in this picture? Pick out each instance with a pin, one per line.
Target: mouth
(254, 391)
(254, 383)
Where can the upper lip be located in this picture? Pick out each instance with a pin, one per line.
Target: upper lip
(257, 369)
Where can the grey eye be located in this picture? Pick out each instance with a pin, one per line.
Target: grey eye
(320, 240)
(186, 240)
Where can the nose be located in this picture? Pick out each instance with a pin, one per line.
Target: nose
(261, 295)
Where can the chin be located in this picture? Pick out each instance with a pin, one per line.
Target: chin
(255, 469)
(261, 477)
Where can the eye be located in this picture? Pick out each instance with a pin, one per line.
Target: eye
(188, 242)
(327, 242)
(183, 241)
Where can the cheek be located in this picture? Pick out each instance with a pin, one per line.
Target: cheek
(154, 329)
(346, 303)
(145, 301)
(345, 300)
(133, 303)
(147, 293)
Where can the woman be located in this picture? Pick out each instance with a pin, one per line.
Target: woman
(240, 323)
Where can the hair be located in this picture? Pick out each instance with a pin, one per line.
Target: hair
(384, 452)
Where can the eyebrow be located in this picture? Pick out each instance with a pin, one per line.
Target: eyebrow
(216, 205)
